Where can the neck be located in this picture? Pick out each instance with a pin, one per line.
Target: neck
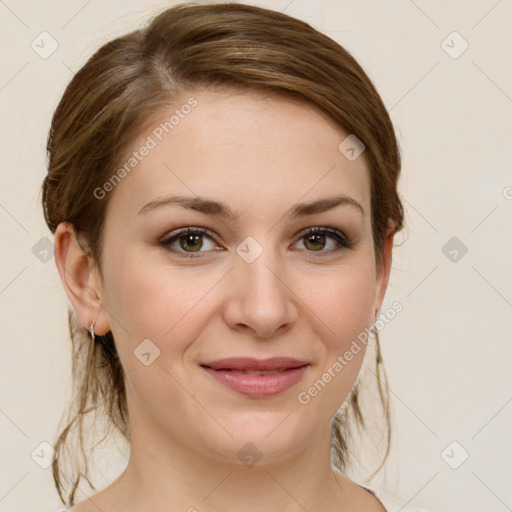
(167, 476)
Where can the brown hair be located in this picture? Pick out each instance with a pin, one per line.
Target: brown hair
(131, 79)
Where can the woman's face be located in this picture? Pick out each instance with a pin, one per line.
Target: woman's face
(252, 171)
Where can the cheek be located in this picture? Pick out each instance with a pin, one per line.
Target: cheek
(343, 307)
(343, 302)
(156, 302)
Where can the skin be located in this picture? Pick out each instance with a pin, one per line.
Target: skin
(260, 155)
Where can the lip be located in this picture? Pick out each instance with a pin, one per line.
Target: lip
(232, 374)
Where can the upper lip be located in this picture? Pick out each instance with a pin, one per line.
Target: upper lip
(249, 363)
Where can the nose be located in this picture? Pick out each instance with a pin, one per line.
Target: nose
(260, 301)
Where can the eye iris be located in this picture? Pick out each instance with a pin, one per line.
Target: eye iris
(316, 237)
(184, 239)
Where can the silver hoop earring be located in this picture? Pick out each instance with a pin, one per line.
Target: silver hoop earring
(91, 328)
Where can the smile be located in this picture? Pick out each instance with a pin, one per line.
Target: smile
(258, 382)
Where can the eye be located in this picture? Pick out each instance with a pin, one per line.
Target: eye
(316, 240)
(190, 241)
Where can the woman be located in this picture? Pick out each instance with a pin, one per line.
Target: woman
(222, 187)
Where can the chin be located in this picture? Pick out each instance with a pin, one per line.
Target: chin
(257, 437)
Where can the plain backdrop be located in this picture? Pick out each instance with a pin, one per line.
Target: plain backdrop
(443, 69)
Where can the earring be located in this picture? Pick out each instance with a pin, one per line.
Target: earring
(91, 328)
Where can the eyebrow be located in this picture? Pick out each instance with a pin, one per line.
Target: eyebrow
(215, 208)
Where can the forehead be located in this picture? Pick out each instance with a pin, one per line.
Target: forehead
(246, 149)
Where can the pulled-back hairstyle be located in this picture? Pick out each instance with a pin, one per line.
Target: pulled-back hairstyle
(129, 81)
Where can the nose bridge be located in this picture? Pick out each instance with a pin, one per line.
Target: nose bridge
(257, 266)
(263, 301)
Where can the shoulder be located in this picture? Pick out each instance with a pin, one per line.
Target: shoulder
(392, 504)
(361, 497)
(368, 499)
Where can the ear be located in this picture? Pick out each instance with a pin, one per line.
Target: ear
(80, 278)
(383, 272)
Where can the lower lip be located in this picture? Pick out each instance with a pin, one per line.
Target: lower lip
(258, 386)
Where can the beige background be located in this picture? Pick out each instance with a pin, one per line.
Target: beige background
(448, 353)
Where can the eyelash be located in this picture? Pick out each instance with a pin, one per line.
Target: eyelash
(339, 237)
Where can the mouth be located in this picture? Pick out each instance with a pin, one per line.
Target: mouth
(248, 372)
(257, 378)
(250, 364)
